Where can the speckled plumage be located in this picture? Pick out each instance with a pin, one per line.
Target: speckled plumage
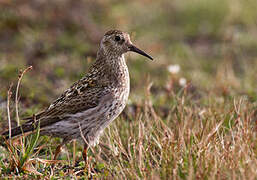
(93, 102)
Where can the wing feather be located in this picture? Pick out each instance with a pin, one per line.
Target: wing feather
(81, 96)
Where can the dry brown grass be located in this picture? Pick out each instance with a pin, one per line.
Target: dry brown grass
(212, 140)
(217, 141)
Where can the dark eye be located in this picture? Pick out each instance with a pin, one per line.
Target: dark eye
(117, 38)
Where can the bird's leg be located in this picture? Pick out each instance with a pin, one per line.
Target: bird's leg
(84, 154)
(57, 151)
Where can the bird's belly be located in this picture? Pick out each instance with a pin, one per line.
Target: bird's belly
(107, 112)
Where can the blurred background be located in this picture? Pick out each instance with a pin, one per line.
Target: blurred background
(208, 47)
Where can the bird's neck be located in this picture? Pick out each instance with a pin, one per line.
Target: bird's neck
(112, 67)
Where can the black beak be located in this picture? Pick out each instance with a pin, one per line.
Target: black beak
(135, 49)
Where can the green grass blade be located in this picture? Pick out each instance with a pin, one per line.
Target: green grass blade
(31, 146)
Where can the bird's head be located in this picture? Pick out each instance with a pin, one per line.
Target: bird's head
(118, 42)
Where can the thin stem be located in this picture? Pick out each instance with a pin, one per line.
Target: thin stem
(9, 94)
(17, 102)
(17, 93)
(74, 153)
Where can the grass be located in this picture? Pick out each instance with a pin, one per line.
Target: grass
(212, 140)
(203, 129)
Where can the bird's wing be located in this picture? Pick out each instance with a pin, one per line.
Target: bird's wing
(81, 96)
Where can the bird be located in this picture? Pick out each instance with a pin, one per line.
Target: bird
(83, 111)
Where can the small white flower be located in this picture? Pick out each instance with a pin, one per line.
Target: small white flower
(202, 112)
(115, 151)
(182, 81)
(174, 69)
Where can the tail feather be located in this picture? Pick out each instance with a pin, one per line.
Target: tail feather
(27, 127)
